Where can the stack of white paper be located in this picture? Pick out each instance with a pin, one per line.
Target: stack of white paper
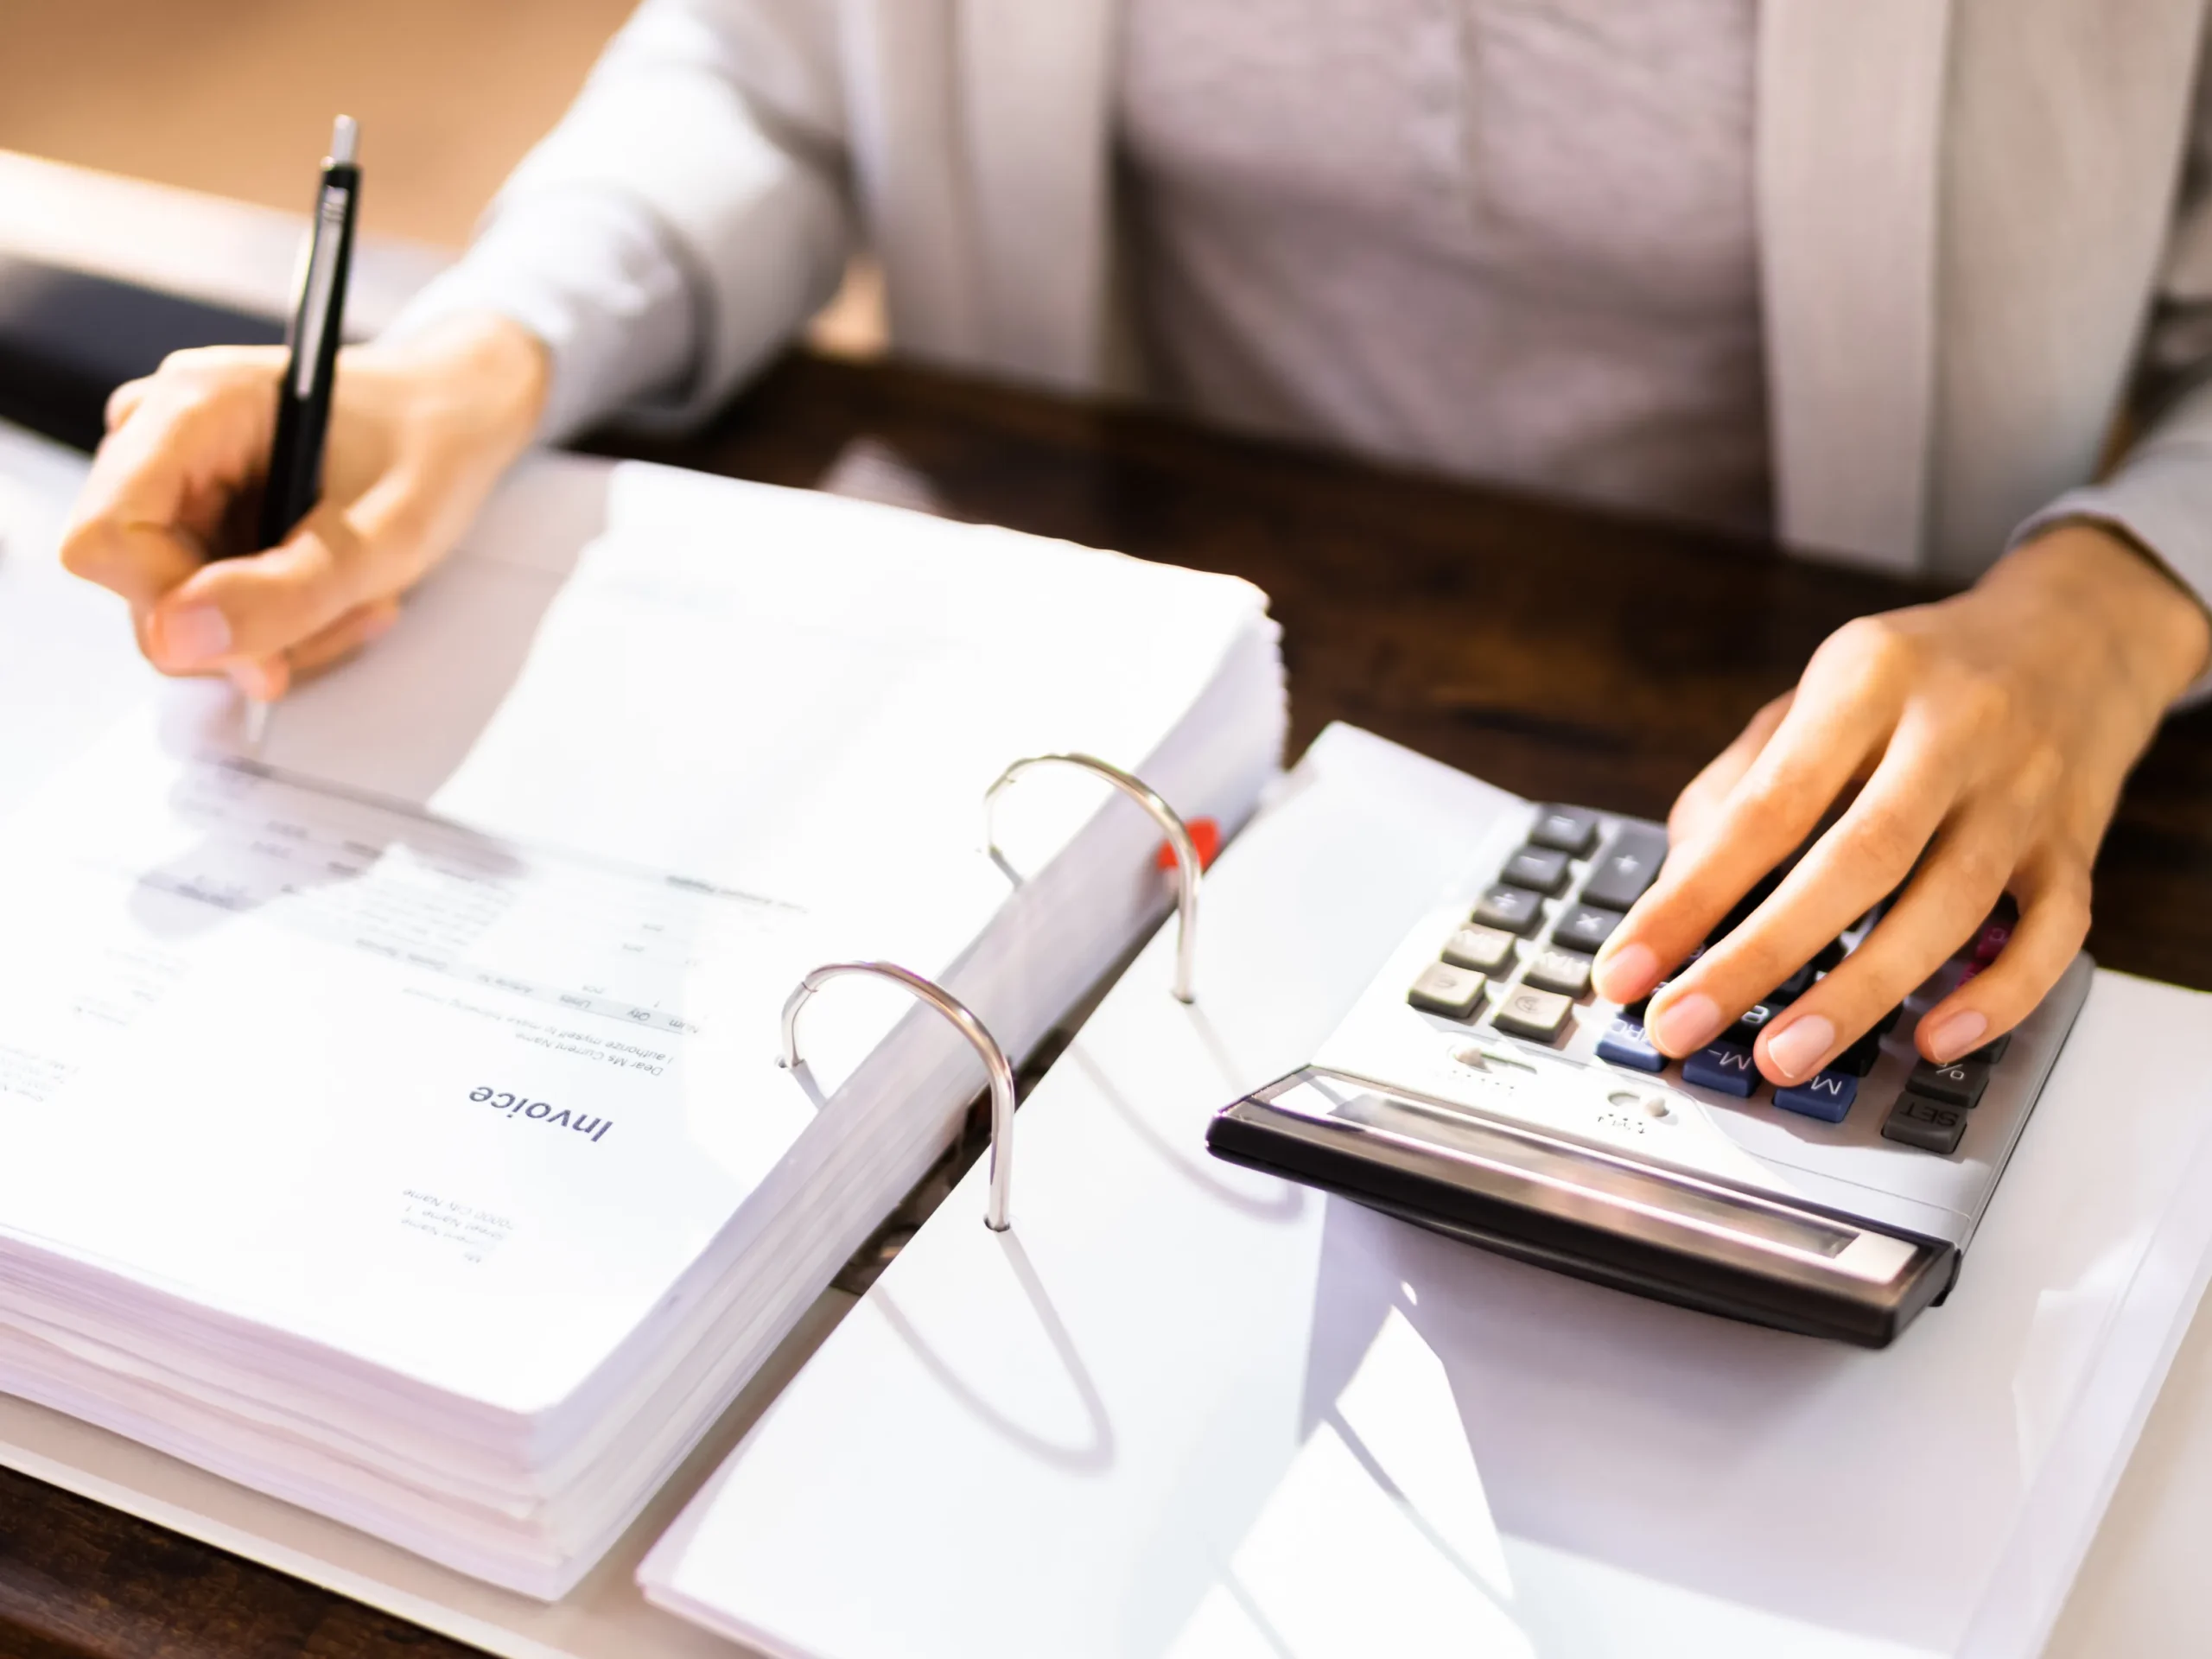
(394, 1118)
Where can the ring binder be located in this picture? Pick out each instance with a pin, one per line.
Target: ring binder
(996, 1216)
(1188, 867)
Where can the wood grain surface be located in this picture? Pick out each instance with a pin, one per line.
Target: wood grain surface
(1561, 653)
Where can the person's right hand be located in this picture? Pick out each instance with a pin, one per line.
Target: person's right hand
(420, 431)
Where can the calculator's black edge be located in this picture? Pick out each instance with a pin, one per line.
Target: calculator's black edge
(1590, 1254)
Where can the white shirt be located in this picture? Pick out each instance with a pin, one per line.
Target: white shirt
(1512, 239)
(1369, 223)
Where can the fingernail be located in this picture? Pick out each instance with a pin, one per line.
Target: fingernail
(1798, 1046)
(196, 634)
(1689, 1025)
(1628, 973)
(1962, 1034)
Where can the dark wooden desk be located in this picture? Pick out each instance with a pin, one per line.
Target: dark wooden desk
(1557, 652)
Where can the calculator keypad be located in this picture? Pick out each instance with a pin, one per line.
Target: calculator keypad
(1522, 964)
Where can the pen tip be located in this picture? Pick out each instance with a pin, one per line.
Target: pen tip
(344, 136)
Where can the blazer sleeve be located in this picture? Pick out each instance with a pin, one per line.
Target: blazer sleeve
(2159, 494)
(685, 218)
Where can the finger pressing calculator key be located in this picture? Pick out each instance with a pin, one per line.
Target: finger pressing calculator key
(1840, 1204)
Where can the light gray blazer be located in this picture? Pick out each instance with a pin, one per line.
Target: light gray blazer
(1983, 227)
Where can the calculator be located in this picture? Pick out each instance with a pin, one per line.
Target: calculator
(1480, 1088)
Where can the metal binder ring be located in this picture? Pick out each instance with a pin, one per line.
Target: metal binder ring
(1187, 868)
(994, 1062)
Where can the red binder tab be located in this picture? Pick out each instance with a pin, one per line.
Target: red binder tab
(1205, 836)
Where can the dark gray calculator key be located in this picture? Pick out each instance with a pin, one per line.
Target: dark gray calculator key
(1486, 950)
(1749, 1024)
(1989, 1053)
(1542, 868)
(1570, 829)
(1527, 1012)
(1566, 972)
(1929, 1124)
(1516, 910)
(1888, 1022)
(1858, 1060)
(1959, 1084)
(1629, 864)
(1442, 989)
(1585, 927)
(1790, 988)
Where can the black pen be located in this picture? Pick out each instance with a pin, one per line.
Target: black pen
(294, 482)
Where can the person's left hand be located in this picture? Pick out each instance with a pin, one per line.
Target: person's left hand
(1989, 734)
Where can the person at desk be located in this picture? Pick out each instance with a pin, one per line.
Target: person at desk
(1876, 276)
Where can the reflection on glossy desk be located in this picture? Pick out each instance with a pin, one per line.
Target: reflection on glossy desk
(1560, 653)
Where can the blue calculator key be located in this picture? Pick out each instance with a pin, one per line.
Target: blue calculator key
(1723, 1066)
(1826, 1096)
(1624, 1043)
